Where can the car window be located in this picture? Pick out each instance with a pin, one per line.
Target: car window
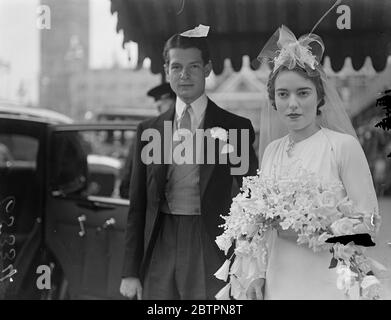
(90, 163)
(18, 151)
(19, 180)
(68, 163)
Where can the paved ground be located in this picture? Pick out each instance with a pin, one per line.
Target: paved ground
(382, 251)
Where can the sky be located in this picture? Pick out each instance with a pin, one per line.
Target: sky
(19, 45)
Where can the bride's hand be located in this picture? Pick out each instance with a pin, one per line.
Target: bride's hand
(254, 291)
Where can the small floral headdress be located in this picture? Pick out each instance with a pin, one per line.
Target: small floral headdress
(284, 49)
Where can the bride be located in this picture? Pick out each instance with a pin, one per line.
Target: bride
(320, 139)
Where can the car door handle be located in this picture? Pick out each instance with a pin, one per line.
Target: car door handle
(95, 206)
(81, 220)
(108, 223)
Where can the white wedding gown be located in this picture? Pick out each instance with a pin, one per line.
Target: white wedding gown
(294, 271)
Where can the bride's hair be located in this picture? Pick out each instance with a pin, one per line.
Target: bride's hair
(314, 76)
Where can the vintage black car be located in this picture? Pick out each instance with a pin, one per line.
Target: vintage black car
(60, 206)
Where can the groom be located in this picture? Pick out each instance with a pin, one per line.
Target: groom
(175, 209)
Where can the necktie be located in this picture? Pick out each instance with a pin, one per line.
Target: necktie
(185, 122)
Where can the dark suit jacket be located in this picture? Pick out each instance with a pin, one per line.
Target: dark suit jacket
(147, 188)
(126, 174)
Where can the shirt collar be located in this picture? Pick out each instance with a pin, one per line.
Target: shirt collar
(198, 106)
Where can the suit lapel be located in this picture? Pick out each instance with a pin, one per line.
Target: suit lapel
(160, 170)
(210, 121)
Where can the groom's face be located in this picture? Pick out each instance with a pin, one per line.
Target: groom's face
(186, 72)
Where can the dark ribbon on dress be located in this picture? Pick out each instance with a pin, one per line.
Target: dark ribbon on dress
(360, 239)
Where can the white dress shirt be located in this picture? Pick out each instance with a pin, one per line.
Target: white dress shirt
(197, 110)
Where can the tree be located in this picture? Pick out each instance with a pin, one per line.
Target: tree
(385, 102)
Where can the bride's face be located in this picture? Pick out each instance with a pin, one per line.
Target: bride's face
(296, 100)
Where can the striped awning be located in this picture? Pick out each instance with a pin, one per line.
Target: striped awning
(242, 27)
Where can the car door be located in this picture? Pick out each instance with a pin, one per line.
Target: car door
(22, 149)
(85, 217)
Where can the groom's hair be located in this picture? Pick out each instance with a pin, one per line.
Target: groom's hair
(178, 41)
(314, 77)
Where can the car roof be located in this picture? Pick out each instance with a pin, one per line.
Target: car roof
(34, 114)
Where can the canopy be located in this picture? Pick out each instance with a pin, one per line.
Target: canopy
(242, 27)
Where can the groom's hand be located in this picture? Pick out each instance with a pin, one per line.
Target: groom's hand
(130, 287)
(254, 291)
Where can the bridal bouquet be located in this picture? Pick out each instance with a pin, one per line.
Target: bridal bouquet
(318, 215)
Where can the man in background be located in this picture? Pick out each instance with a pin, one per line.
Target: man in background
(164, 99)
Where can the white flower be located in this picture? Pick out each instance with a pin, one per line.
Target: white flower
(219, 133)
(345, 206)
(295, 53)
(329, 199)
(371, 288)
(249, 229)
(325, 211)
(344, 252)
(259, 204)
(223, 242)
(345, 278)
(223, 294)
(369, 281)
(307, 57)
(285, 224)
(223, 272)
(342, 227)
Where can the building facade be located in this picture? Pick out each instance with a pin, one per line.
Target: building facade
(98, 90)
(64, 51)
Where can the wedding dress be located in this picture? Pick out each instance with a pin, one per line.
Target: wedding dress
(294, 271)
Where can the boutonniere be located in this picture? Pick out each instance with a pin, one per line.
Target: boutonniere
(219, 133)
(222, 134)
